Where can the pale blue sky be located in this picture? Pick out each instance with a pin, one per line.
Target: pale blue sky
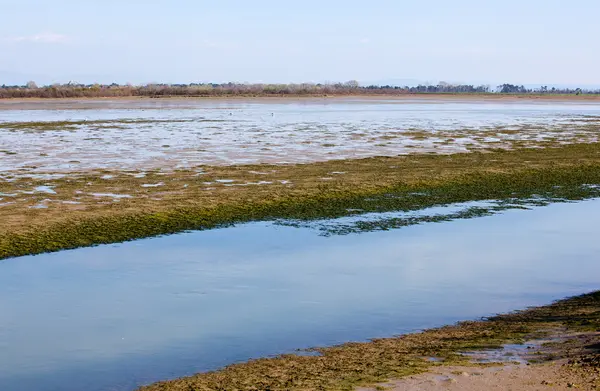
(487, 41)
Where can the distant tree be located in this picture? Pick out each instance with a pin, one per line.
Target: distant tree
(352, 84)
(511, 89)
(31, 85)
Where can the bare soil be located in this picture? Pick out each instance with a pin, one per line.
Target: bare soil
(559, 362)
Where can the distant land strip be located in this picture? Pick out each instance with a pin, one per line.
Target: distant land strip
(350, 88)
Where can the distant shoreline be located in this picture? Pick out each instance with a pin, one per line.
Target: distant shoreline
(12, 103)
(208, 90)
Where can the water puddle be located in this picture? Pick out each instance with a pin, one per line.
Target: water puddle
(112, 195)
(45, 189)
(508, 354)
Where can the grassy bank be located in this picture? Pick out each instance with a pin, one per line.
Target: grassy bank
(197, 199)
(354, 364)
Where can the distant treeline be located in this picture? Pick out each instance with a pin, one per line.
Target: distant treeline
(75, 90)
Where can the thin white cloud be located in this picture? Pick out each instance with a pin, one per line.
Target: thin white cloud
(364, 40)
(210, 44)
(47, 37)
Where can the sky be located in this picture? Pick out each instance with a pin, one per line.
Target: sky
(405, 41)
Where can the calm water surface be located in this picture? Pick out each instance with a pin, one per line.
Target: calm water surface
(118, 316)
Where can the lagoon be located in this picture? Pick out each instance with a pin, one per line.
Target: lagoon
(115, 317)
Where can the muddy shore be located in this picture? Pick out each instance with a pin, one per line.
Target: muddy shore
(551, 346)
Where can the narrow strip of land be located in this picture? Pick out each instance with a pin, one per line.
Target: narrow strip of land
(82, 102)
(52, 212)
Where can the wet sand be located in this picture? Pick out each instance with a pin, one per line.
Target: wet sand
(508, 377)
(553, 363)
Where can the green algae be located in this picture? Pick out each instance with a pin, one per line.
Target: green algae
(570, 183)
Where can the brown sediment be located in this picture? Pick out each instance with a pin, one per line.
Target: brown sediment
(562, 360)
(550, 376)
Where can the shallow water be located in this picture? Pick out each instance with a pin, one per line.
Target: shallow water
(117, 316)
(172, 134)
